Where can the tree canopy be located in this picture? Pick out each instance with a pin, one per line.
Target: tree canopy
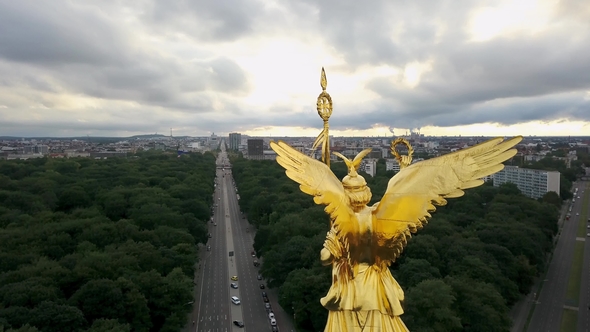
(101, 245)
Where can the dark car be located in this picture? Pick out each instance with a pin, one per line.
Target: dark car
(260, 277)
(265, 299)
(275, 328)
(238, 323)
(264, 294)
(262, 286)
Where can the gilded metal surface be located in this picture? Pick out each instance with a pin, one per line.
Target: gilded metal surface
(404, 161)
(324, 107)
(364, 240)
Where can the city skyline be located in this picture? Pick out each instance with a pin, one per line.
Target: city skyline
(480, 69)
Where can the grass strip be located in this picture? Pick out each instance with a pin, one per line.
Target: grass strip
(569, 320)
(572, 294)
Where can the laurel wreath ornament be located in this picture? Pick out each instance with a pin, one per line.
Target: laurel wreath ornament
(403, 162)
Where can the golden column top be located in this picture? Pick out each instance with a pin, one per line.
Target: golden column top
(324, 103)
(324, 107)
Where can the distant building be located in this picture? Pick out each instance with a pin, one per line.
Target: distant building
(269, 155)
(74, 154)
(256, 148)
(24, 156)
(391, 165)
(370, 166)
(299, 147)
(235, 139)
(533, 183)
(42, 149)
(213, 141)
(105, 155)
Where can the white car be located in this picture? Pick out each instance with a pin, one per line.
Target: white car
(273, 322)
(235, 300)
(271, 315)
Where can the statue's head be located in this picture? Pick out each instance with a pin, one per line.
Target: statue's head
(355, 186)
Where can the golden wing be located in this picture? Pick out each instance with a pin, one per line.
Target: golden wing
(412, 193)
(315, 178)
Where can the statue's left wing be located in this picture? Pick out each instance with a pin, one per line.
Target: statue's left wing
(315, 178)
(413, 192)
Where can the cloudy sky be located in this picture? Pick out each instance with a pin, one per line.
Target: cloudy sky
(449, 67)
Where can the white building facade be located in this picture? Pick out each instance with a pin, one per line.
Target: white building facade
(533, 183)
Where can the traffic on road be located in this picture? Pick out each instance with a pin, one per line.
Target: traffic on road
(230, 292)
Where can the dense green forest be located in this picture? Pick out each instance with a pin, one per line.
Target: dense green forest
(462, 272)
(101, 245)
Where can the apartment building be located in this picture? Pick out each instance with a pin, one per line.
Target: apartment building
(256, 149)
(533, 183)
(235, 139)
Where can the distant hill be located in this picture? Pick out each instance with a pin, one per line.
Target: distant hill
(91, 138)
(148, 136)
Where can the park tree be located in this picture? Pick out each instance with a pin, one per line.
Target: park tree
(101, 245)
(428, 307)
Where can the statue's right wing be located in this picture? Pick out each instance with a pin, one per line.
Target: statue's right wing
(315, 178)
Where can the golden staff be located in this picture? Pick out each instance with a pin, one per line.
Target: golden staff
(324, 107)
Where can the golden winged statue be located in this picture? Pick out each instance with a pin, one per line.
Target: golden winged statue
(364, 240)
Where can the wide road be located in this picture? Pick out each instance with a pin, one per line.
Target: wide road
(213, 310)
(230, 232)
(551, 302)
(212, 303)
(253, 309)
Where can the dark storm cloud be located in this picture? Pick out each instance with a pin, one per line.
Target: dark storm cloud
(571, 106)
(51, 33)
(464, 80)
(382, 32)
(211, 20)
(173, 62)
(83, 50)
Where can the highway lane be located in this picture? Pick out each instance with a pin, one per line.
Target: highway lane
(550, 302)
(253, 310)
(214, 310)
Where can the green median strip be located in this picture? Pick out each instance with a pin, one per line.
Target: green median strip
(569, 320)
(572, 294)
